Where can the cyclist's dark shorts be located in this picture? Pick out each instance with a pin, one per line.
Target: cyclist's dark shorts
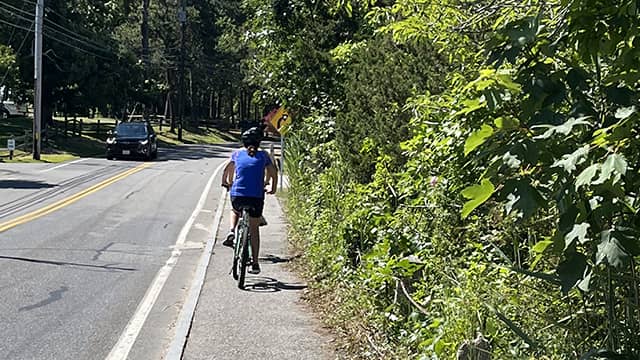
(257, 203)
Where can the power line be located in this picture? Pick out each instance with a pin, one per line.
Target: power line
(50, 36)
(88, 44)
(29, 30)
(13, 29)
(79, 36)
(68, 34)
(15, 25)
(76, 47)
(24, 12)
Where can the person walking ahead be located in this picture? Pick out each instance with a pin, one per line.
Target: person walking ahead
(247, 173)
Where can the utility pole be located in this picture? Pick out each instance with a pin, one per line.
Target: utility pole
(182, 18)
(37, 74)
(145, 36)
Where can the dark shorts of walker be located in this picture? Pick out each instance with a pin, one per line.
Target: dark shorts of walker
(257, 204)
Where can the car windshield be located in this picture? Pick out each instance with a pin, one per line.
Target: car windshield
(126, 130)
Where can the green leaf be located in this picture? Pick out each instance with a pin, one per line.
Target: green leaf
(570, 161)
(477, 195)
(511, 160)
(506, 123)
(614, 163)
(611, 250)
(571, 271)
(540, 248)
(542, 245)
(471, 106)
(477, 138)
(507, 82)
(587, 175)
(624, 113)
(618, 162)
(585, 283)
(523, 197)
(579, 232)
(568, 218)
(563, 129)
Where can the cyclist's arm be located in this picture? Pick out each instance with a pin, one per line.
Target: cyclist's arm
(272, 176)
(228, 173)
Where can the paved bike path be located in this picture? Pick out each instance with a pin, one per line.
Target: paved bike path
(267, 320)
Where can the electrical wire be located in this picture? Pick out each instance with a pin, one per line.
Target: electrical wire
(13, 29)
(69, 34)
(88, 44)
(73, 32)
(63, 42)
(15, 25)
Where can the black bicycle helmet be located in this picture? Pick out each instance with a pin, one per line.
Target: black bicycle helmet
(252, 136)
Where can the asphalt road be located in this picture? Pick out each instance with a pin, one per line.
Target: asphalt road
(94, 260)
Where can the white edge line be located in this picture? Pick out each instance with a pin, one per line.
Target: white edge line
(122, 348)
(189, 308)
(63, 165)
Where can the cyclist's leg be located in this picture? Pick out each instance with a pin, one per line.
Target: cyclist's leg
(233, 222)
(254, 223)
(233, 219)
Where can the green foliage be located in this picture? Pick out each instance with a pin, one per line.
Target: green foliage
(373, 119)
(477, 195)
(461, 167)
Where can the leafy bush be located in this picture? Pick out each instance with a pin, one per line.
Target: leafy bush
(499, 202)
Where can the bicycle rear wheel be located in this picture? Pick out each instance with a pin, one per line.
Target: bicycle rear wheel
(237, 251)
(244, 250)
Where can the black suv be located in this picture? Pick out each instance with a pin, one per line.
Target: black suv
(135, 139)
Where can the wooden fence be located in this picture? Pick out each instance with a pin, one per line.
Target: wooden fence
(23, 143)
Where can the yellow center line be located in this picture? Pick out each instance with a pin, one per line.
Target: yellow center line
(70, 200)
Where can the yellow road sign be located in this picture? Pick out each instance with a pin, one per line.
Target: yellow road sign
(280, 120)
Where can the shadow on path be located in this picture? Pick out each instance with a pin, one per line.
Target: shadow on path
(53, 296)
(107, 267)
(275, 259)
(266, 284)
(23, 184)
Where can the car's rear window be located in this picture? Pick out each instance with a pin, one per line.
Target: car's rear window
(131, 130)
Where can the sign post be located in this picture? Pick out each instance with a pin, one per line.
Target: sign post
(11, 145)
(279, 121)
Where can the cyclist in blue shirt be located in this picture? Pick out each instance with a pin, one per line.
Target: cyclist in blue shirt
(247, 173)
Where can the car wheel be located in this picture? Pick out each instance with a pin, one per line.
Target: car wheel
(149, 155)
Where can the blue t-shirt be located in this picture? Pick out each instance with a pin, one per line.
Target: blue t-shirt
(249, 176)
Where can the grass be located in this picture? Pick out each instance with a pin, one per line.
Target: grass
(61, 148)
(199, 135)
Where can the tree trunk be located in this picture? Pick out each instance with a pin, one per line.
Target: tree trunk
(218, 106)
(211, 105)
(191, 99)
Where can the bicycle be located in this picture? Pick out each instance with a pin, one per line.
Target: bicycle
(242, 248)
